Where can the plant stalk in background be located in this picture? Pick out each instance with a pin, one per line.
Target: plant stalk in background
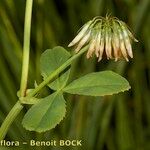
(25, 67)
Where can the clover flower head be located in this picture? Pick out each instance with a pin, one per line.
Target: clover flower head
(109, 36)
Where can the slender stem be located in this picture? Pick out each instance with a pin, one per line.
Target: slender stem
(25, 67)
(55, 73)
(26, 47)
(9, 119)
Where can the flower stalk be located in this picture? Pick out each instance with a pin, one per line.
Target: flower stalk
(25, 67)
(26, 48)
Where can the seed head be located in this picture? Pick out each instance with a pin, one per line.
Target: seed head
(105, 36)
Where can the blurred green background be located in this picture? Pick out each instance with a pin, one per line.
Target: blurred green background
(119, 122)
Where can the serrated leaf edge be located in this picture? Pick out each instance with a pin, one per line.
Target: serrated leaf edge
(29, 129)
(123, 90)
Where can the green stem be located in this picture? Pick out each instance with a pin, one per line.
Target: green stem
(18, 107)
(55, 73)
(25, 67)
(26, 47)
(9, 119)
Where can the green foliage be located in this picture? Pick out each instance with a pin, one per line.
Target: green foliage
(98, 84)
(52, 59)
(46, 114)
